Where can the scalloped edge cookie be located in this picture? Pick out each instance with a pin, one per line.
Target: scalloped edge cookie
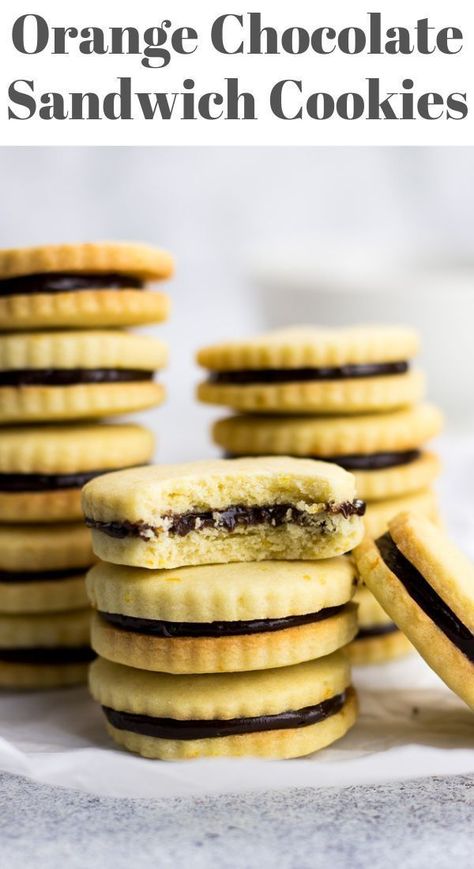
(128, 258)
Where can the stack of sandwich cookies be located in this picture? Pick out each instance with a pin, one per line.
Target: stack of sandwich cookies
(82, 286)
(63, 359)
(223, 606)
(306, 370)
(353, 406)
(44, 614)
(426, 585)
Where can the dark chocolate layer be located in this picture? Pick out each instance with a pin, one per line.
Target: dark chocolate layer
(158, 628)
(71, 376)
(426, 597)
(47, 482)
(227, 520)
(63, 282)
(44, 655)
(376, 631)
(173, 728)
(296, 375)
(360, 462)
(41, 575)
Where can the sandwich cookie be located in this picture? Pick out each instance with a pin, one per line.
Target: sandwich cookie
(213, 512)
(48, 376)
(378, 639)
(383, 451)
(301, 370)
(42, 568)
(82, 286)
(45, 650)
(43, 468)
(284, 712)
(426, 585)
(214, 619)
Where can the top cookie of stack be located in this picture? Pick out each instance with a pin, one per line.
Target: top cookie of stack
(80, 286)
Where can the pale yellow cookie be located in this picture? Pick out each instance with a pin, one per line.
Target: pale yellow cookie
(227, 653)
(22, 676)
(178, 707)
(329, 437)
(351, 395)
(227, 592)
(401, 480)
(83, 350)
(426, 586)
(219, 511)
(378, 513)
(46, 592)
(136, 260)
(308, 347)
(86, 309)
(378, 640)
(86, 401)
(41, 548)
(45, 630)
(43, 468)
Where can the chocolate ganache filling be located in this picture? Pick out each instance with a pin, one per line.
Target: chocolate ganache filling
(359, 462)
(47, 482)
(41, 575)
(426, 597)
(65, 282)
(174, 728)
(159, 628)
(71, 376)
(235, 516)
(293, 375)
(45, 655)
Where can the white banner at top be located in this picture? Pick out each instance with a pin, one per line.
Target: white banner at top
(337, 72)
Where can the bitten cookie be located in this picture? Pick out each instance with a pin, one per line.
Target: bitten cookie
(43, 468)
(353, 370)
(378, 639)
(48, 376)
(43, 651)
(213, 512)
(82, 286)
(426, 585)
(383, 451)
(222, 618)
(285, 712)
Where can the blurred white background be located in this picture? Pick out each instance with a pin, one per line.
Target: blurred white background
(267, 236)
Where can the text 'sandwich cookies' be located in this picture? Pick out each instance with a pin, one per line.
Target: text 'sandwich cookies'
(276, 713)
(43, 468)
(212, 512)
(426, 585)
(52, 376)
(222, 618)
(82, 286)
(314, 370)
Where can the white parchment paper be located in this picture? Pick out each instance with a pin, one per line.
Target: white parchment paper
(410, 725)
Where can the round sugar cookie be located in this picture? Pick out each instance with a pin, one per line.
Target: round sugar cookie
(42, 592)
(44, 548)
(426, 584)
(43, 468)
(140, 261)
(378, 513)
(285, 712)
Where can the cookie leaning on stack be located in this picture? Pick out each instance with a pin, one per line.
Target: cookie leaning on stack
(313, 393)
(53, 376)
(204, 657)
